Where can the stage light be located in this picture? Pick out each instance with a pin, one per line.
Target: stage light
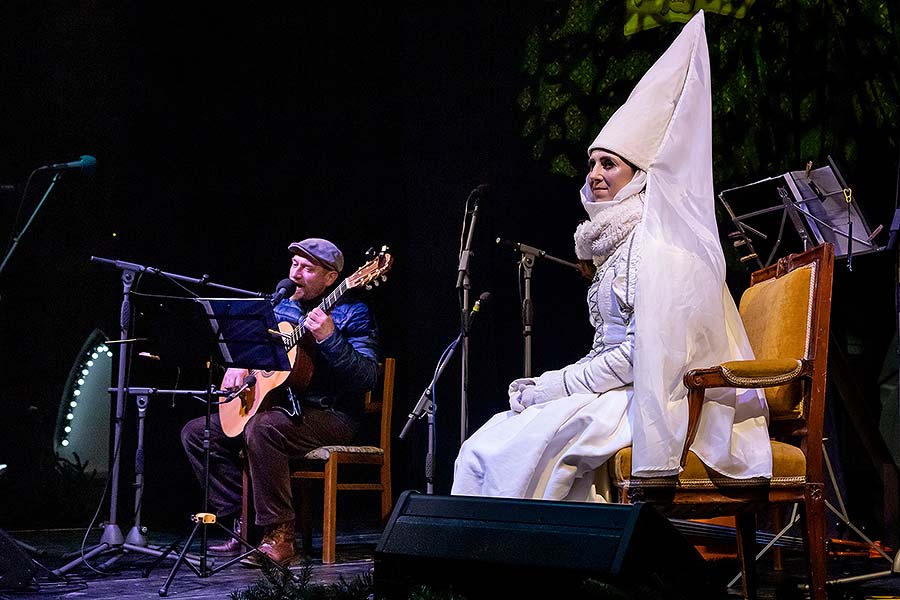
(84, 412)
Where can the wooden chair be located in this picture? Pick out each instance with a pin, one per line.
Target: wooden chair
(786, 312)
(323, 463)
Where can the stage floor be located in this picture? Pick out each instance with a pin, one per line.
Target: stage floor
(123, 578)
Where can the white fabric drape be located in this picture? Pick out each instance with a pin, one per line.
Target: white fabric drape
(682, 263)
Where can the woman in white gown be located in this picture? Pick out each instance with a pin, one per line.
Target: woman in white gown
(658, 304)
(590, 398)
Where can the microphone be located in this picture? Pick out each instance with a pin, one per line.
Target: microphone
(284, 289)
(86, 164)
(249, 381)
(484, 298)
(521, 247)
(479, 192)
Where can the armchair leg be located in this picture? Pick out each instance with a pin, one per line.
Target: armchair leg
(745, 529)
(814, 528)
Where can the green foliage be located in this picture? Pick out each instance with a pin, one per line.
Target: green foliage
(76, 490)
(426, 593)
(792, 81)
(273, 584)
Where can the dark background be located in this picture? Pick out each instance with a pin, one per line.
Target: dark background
(222, 135)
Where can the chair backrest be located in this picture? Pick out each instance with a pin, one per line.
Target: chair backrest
(383, 404)
(786, 313)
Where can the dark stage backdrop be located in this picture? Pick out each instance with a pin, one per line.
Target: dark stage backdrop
(223, 135)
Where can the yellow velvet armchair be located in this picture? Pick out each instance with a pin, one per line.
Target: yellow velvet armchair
(786, 312)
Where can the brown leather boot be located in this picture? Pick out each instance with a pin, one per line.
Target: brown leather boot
(277, 544)
(231, 547)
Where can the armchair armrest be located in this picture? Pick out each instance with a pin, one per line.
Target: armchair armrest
(742, 374)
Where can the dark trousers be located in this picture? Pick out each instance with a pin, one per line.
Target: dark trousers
(272, 439)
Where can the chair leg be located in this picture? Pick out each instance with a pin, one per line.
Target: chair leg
(329, 523)
(777, 525)
(306, 516)
(814, 528)
(386, 499)
(745, 529)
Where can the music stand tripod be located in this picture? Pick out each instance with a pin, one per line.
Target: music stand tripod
(242, 328)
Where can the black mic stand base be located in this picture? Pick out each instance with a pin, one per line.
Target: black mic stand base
(205, 567)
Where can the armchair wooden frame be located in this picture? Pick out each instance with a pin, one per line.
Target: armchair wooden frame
(796, 405)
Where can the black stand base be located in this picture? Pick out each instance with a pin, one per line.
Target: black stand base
(205, 569)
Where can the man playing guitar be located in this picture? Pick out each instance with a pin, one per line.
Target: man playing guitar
(320, 402)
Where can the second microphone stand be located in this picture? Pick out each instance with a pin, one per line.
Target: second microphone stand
(426, 405)
(462, 286)
(526, 265)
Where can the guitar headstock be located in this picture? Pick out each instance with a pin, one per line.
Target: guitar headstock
(374, 271)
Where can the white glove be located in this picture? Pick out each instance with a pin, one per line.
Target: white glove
(521, 394)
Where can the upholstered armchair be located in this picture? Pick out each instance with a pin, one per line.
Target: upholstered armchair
(786, 313)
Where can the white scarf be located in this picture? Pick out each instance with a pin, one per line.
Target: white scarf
(610, 222)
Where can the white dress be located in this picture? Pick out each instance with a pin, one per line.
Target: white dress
(580, 417)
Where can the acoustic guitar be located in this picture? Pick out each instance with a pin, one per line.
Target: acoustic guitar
(235, 413)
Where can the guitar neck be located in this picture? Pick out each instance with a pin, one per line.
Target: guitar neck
(326, 305)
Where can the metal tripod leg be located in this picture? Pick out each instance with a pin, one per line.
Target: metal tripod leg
(842, 515)
(136, 540)
(795, 516)
(112, 534)
(204, 570)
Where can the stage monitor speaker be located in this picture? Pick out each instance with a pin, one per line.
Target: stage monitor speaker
(505, 548)
(16, 567)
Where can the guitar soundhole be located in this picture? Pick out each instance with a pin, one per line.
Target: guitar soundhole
(267, 373)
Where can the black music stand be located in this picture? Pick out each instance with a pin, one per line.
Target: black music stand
(243, 328)
(819, 204)
(247, 336)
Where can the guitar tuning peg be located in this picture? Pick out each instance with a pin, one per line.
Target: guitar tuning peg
(384, 277)
(368, 287)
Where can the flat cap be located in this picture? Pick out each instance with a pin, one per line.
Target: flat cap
(320, 251)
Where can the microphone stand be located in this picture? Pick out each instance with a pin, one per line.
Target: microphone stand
(34, 213)
(112, 534)
(426, 406)
(526, 264)
(462, 285)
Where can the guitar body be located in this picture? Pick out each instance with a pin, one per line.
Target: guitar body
(235, 414)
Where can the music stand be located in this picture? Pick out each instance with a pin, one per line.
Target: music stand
(818, 203)
(243, 327)
(243, 332)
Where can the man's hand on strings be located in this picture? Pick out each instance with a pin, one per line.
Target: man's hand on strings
(319, 324)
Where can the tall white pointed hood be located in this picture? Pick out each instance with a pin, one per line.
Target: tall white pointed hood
(684, 315)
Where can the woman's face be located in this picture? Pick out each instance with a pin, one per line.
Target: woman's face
(607, 174)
